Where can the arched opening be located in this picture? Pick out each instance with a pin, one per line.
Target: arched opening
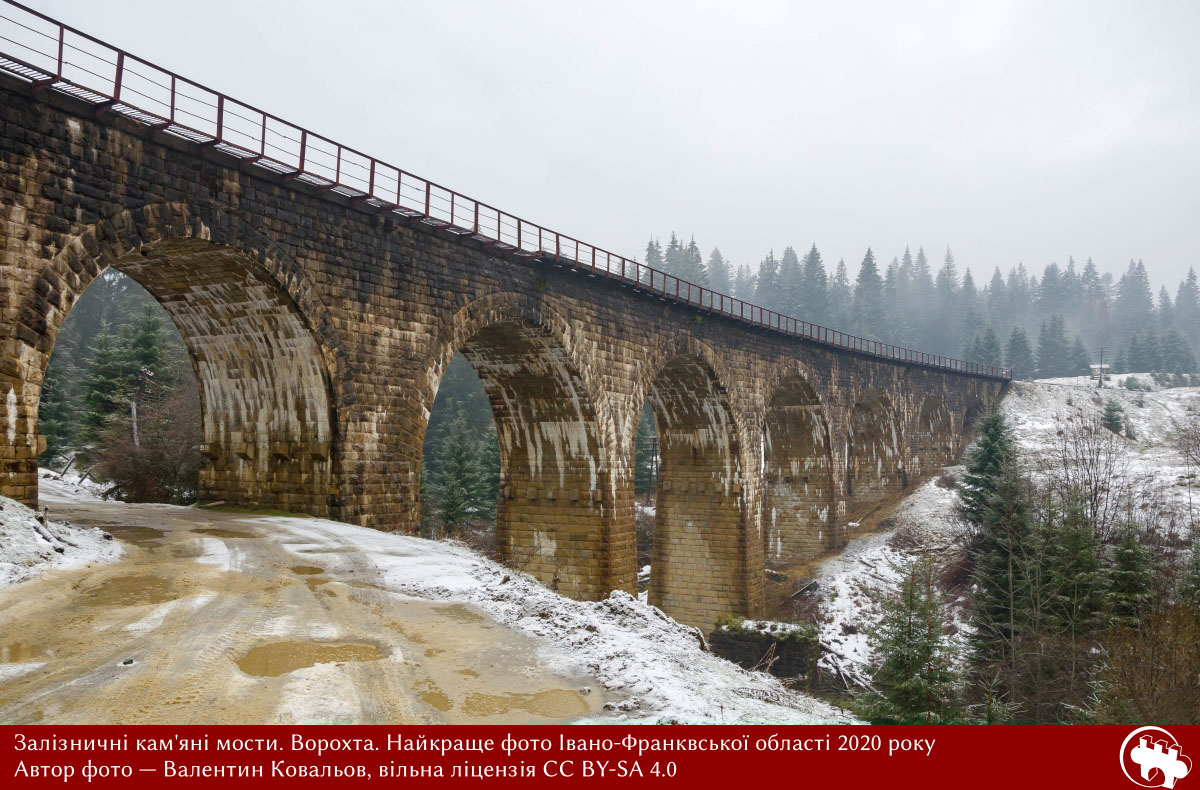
(935, 435)
(552, 500)
(798, 514)
(267, 434)
(699, 525)
(874, 459)
(974, 410)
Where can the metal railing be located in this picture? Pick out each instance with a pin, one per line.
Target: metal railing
(50, 55)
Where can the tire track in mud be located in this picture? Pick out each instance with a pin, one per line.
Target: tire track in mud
(156, 637)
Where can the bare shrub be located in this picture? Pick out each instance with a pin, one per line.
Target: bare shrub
(156, 458)
(948, 481)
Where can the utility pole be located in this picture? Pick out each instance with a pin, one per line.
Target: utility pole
(1100, 376)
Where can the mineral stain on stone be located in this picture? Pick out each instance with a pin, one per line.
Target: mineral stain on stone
(279, 658)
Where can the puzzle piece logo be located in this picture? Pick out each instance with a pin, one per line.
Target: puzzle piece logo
(1151, 757)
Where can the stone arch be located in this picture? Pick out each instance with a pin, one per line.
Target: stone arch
(702, 532)
(799, 517)
(974, 408)
(555, 508)
(875, 468)
(266, 355)
(935, 438)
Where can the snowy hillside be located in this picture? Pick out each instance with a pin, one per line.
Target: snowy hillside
(1037, 411)
(29, 547)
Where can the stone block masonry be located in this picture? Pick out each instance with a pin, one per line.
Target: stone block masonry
(319, 331)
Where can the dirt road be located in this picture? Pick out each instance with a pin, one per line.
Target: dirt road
(209, 617)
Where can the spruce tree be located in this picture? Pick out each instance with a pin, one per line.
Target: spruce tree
(1129, 595)
(1113, 417)
(458, 483)
(868, 298)
(1081, 360)
(56, 409)
(643, 451)
(1177, 355)
(994, 503)
(745, 284)
(1019, 355)
(767, 288)
(1189, 587)
(989, 348)
(654, 259)
(717, 273)
(814, 288)
(791, 286)
(840, 297)
(917, 679)
(691, 265)
(103, 387)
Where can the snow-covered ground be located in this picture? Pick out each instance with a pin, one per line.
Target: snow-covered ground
(849, 584)
(28, 547)
(654, 669)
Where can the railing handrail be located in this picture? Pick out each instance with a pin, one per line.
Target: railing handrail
(382, 186)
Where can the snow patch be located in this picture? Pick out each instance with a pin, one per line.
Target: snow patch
(28, 548)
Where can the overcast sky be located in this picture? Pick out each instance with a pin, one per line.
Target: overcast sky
(1009, 131)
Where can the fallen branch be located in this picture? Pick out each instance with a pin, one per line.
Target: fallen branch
(48, 537)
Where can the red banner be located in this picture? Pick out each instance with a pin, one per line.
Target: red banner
(975, 757)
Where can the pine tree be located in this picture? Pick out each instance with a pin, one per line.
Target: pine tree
(814, 288)
(56, 409)
(103, 386)
(1053, 351)
(654, 260)
(643, 451)
(767, 289)
(791, 286)
(673, 256)
(1129, 595)
(840, 297)
(989, 349)
(1019, 355)
(745, 284)
(718, 273)
(1177, 355)
(458, 483)
(1113, 417)
(1081, 360)
(916, 677)
(691, 265)
(1151, 352)
(868, 298)
(1189, 587)
(994, 503)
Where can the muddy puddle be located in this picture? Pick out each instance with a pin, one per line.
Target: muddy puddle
(221, 532)
(555, 703)
(136, 535)
(128, 591)
(279, 658)
(17, 652)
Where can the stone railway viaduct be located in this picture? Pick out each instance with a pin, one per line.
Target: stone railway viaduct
(320, 320)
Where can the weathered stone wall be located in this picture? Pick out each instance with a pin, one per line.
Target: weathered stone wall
(320, 331)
